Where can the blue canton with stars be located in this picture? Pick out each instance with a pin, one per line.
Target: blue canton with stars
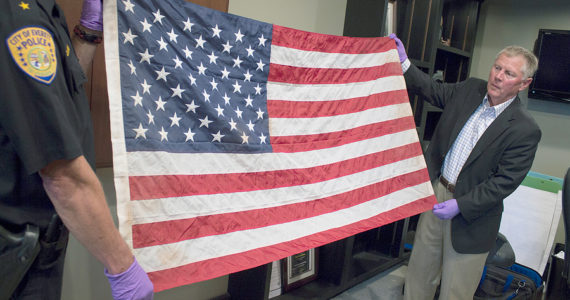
(192, 79)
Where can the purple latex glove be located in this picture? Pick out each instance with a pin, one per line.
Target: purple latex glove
(131, 284)
(446, 210)
(92, 15)
(399, 47)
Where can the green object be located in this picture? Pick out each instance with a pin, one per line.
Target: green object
(543, 182)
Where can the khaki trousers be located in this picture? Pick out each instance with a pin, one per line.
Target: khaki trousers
(433, 259)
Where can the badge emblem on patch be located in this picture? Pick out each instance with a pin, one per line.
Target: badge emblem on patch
(33, 50)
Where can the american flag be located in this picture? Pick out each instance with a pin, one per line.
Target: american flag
(237, 143)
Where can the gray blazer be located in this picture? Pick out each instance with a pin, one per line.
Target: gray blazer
(495, 168)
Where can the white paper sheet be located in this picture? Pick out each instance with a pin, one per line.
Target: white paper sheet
(529, 222)
(275, 281)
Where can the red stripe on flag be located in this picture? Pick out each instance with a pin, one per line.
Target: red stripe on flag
(288, 37)
(289, 74)
(307, 109)
(212, 268)
(290, 144)
(153, 187)
(151, 234)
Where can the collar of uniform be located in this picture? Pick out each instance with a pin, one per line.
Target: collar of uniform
(48, 6)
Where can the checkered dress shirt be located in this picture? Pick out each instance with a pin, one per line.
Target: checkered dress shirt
(479, 121)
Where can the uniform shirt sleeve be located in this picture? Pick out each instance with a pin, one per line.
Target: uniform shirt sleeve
(41, 119)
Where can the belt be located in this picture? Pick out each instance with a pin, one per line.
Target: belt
(450, 187)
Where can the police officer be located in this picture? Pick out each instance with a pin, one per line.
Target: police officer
(47, 155)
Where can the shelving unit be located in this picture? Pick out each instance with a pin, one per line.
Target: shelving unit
(421, 25)
(342, 265)
(439, 36)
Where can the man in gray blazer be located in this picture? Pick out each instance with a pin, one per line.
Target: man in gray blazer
(481, 150)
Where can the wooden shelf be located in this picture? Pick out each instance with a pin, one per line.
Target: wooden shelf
(318, 289)
(454, 51)
(367, 265)
(421, 26)
(372, 263)
(342, 265)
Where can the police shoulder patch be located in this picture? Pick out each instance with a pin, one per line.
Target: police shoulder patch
(33, 50)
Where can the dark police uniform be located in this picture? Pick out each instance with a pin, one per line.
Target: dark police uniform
(44, 116)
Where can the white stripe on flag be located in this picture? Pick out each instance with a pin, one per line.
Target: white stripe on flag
(328, 92)
(162, 163)
(176, 208)
(310, 59)
(156, 258)
(307, 126)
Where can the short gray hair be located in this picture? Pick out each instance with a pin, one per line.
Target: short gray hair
(531, 61)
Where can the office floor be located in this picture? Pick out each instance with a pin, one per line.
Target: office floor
(384, 286)
(388, 286)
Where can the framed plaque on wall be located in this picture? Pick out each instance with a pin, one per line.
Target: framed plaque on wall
(299, 269)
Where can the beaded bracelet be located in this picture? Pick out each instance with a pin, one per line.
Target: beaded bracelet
(90, 37)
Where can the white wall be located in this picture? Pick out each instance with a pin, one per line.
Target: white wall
(83, 276)
(322, 16)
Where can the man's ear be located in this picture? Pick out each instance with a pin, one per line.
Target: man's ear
(525, 83)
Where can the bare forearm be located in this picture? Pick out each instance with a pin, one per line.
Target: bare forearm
(85, 52)
(78, 197)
